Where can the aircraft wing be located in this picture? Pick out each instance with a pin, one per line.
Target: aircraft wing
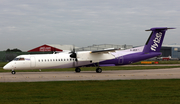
(105, 50)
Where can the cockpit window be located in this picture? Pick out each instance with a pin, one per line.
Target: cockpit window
(16, 59)
(19, 59)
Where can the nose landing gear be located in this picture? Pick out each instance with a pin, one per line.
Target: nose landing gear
(13, 72)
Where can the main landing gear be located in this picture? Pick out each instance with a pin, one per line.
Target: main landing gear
(98, 70)
(13, 72)
(77, 70)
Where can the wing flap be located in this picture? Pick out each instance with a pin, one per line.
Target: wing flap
(105, 51)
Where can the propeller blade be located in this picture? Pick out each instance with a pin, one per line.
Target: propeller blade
(73, 53)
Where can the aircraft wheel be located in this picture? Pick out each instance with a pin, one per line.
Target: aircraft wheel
(98, 70)
(13, 72)
(77, 70)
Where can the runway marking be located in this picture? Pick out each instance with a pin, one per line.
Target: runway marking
(40, 76)
(54, 76)
(13, 77)
(80, 76)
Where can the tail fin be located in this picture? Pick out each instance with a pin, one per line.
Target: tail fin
(155, 40)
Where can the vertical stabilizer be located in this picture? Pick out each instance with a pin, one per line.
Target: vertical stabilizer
(155, 40)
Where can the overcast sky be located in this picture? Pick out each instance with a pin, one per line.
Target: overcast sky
(26, 24)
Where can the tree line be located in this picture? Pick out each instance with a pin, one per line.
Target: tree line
(13, 50)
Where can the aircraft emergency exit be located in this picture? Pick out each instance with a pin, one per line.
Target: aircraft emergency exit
(107, 57)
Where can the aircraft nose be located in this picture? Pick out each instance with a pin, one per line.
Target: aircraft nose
(7, 66)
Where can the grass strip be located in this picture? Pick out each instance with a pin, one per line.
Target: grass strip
(92, 92)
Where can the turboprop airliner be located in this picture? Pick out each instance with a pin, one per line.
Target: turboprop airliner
(107, 57)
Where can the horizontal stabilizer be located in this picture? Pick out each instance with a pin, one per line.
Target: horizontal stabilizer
(159, 28)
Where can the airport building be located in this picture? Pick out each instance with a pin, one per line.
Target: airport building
(171, 50)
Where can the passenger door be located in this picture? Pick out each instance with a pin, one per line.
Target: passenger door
(120, 61)
(33, 62)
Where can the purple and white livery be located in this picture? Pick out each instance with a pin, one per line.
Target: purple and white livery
(107, 57)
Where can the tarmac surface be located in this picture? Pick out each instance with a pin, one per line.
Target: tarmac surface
(173, 73)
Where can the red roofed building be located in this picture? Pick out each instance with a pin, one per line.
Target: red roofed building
(45, 48)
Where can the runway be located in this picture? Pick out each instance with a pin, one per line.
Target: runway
(173, 73)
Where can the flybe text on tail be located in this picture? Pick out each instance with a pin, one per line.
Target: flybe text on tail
(157, 40)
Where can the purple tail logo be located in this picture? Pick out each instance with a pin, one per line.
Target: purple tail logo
(157, 40)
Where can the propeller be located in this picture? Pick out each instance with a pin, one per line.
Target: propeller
(73, 55)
